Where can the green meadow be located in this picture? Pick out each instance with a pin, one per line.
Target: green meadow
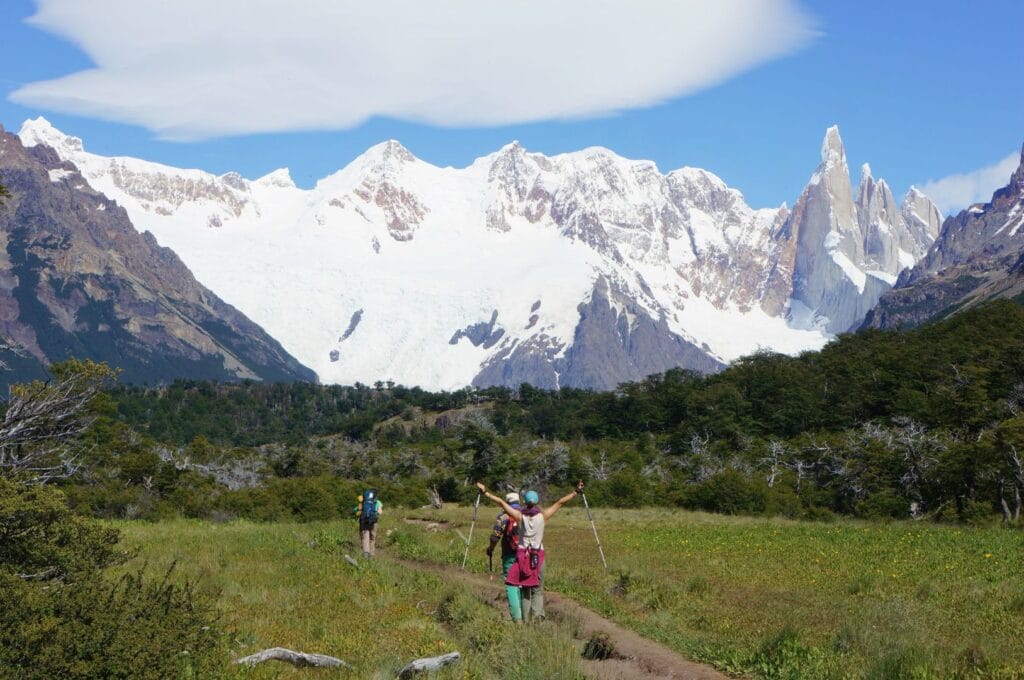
(288, 585)
(753, 597)
(778, 598)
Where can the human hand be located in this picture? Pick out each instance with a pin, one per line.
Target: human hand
(480, 485)
(579, 486)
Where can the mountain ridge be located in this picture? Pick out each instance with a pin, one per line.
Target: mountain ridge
(978, 256)
(79, 280)
(422, 252)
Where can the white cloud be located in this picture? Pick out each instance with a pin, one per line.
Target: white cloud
(193, 68)
(956, 192)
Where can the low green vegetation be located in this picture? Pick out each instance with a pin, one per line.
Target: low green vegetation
(288, 585)
(789, 599)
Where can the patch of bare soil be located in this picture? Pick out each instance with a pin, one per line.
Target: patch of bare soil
(634, 656)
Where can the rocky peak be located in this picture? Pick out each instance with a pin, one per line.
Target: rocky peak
(280, 178)
(513, 172)
(832, 147)
(389, 155)
(39, 131)
(1017, 180)
(1015, 188)
(922, 218)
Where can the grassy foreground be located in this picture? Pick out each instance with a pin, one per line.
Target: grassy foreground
(287, 585)
(786, 599)
(764, 598)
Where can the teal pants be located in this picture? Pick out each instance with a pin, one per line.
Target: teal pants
(515, 598)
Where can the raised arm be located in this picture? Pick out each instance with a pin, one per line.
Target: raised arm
(512, 512)
(550, 511)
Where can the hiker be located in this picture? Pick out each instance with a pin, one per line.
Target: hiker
(506, 532)
(527, 569)
(368, 510)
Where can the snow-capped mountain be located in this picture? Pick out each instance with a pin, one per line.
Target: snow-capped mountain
(582, 269)
(839, 254)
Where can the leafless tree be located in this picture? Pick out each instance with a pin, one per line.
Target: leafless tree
(1016, 482)
(43, 421)
(434, 497)
(602, 469)
(918, 447)
(774, 460)
(1015, 402)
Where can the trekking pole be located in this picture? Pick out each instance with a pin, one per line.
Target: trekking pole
(476, 506)
(594, 527)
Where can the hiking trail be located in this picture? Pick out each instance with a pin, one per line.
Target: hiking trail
(635, 656)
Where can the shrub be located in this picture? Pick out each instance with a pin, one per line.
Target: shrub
(62, 617)
(133, 627)
(728, 492)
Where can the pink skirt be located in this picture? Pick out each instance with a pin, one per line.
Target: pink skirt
(521, 573)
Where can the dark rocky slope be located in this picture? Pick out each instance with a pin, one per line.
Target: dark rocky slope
(77, 280)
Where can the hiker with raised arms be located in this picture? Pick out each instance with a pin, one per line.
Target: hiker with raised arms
(525, 571)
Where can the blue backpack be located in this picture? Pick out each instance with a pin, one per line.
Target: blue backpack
(368, 512)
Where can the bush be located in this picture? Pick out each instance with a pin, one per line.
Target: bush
(130, 628)
(727, 492)
(884, 504)
(62, 617)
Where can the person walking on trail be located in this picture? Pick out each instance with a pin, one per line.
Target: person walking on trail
(368, 510)
(506, 532)
(526, 570)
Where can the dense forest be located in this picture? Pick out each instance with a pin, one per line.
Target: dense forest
(925, 423)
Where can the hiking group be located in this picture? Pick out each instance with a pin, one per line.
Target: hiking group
(520, 531)
(368, 510)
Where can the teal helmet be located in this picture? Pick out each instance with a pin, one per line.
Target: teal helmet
(531, 498)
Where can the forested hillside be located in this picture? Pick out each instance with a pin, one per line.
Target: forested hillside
(882, 423)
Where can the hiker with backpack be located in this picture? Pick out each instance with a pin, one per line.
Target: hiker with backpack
(506, 532)
(526, 570)
(368, 510)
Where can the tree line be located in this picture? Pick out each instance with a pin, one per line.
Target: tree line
(912, 423)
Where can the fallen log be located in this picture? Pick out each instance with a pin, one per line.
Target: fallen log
(297, 659)
(428, 664)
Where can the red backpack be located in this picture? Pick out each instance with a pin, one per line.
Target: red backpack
(510, 537)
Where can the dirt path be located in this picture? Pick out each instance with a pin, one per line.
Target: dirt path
(635, 656)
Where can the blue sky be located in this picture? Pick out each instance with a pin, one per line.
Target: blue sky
(922, 91)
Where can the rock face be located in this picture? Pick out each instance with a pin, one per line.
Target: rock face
(978, 256)
(582, 269)
(616, 341)
(845, 253)
(78, 280)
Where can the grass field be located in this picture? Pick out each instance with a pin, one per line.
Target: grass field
(764, 598)
(776, 598)
(287, 585)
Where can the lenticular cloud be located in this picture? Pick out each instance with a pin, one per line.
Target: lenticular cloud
(192, 69)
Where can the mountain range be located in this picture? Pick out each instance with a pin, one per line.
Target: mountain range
(979, 256)
(78, 280)
(583, 269)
